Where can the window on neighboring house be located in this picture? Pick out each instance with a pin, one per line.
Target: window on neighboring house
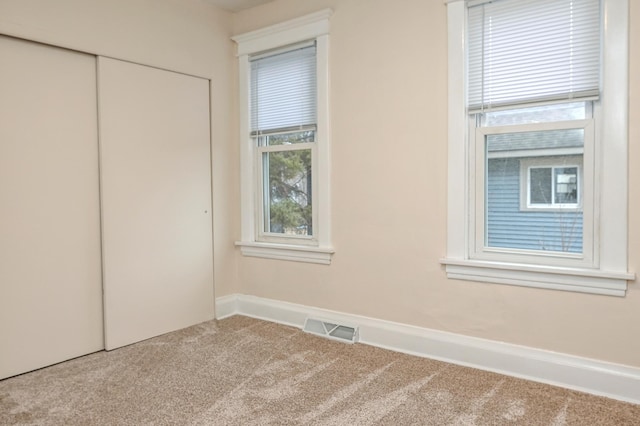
(552, 187)
(541, 145)
(285, 141)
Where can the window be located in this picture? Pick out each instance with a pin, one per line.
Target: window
(543, 139)
(285, 141)
(283, 129)
(550, 184)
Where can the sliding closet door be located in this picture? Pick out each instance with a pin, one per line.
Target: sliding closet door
(50, 277)
(156, 201)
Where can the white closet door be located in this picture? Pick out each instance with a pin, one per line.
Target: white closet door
(156, 201)
(50, 276)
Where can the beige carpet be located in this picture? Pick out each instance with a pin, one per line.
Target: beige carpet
(242, 371)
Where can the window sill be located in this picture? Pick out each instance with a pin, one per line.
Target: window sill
(555, 278)
(286, 252)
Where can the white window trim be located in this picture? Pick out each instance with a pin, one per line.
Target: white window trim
(319, 250)
(608, 272)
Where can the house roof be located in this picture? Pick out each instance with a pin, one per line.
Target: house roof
(550, 139)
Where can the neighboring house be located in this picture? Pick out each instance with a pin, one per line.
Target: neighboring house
(534, 199)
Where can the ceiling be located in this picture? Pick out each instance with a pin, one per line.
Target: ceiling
(236, 5)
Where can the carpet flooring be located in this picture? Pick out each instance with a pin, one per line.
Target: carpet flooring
(243, 371)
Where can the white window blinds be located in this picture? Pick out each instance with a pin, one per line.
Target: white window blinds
(283, 90)
(531, 51)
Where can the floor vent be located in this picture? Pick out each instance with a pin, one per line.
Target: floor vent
(330, 330)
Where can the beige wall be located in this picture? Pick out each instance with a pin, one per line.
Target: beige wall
(188, 36)
(178, 35)
(389, 156)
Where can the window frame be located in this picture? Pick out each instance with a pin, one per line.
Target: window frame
(253, 241)
(262, 187)
(477, 223)
(605, 272)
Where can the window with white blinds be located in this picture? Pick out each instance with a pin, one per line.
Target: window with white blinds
(283, 90)
(530, 51)
(538, 140)
(283, 95)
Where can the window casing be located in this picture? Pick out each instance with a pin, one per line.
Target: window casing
(496, 233)
(285, 140)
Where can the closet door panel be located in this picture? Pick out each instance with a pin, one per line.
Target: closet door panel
(50, 271)
(156, 201)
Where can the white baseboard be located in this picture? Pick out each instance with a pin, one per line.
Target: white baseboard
(587, 375)
(227, 306)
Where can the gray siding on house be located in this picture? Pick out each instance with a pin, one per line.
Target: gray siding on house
(510, 227)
